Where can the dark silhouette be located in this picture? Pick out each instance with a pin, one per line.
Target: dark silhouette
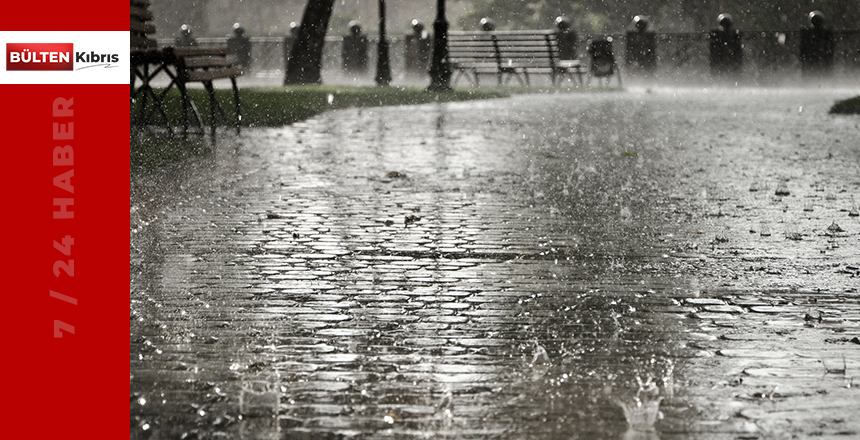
(727, 53)
(603, 63)
(816, 47)
(306, 57)
(186, 37)
(354, 50)
(383, 64)
(417, 49)
(641, 51)
(440, 67)
(566, 39)
(240, 45)
(289, 40)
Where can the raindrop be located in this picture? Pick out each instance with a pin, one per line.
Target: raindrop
(446, 404)
(643, 409)
(834, 228)
(540, 355)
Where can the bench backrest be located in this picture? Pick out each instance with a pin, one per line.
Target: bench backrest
(140, 27)
(203, 63)
(514, 48)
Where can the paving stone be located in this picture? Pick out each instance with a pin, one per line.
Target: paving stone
(540, 230)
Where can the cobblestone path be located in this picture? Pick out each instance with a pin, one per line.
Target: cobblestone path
(539, 267)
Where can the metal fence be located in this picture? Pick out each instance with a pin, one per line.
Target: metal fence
(769, 56)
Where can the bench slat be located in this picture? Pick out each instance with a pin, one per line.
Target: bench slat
(209, 75)
(504, 33)
(199, 51)
(141, 28)
(210, 61)
(141, 14)
(137, 42)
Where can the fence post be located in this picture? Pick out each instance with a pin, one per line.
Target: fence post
(240, 45)
(289, 39)
(354, 51)
(417, 49)
(817, 46)
(566, 39)
(641, 50)
(727, 53)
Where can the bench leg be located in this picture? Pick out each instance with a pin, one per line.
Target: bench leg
(238, 105)
(186, 104)
(158, 99)
(462, 73)
(142, 91)
(144, 115)
(213, 103)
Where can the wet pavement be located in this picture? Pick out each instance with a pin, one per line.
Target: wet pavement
(669, 263)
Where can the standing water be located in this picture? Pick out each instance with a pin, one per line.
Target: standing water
(548, 266)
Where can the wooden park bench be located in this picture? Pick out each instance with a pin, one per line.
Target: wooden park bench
(183, 65)
(146, 62)
(509, 54)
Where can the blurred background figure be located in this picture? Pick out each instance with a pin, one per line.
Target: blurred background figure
(186, 37)
(641, 51)
(727, 52)
(240, 45)
(354, 52)
(417, 49)
(817, 46)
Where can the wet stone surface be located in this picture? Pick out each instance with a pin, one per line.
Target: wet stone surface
(632, 265)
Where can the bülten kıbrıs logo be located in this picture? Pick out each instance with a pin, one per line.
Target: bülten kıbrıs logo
(54, 56)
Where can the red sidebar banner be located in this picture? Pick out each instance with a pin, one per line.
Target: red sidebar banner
(65, 134)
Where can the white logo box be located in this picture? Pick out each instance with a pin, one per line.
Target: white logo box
(100, 42)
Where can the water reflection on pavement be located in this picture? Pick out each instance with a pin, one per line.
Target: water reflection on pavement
(540, 267)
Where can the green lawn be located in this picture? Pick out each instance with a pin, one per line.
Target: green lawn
(279, 106)
(846, 107)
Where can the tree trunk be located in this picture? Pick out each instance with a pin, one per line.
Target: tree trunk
(306, 56)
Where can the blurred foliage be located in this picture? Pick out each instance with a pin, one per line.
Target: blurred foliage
(615, 16)
(849, 106)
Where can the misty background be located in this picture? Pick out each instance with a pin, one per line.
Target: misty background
(215, 18)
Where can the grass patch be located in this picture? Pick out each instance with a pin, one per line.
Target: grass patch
(846, 107)
(279, 106)
(154, 151)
